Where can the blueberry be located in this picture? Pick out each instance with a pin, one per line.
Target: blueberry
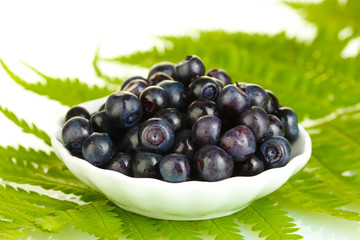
(184, 143)
(136, 87)
(101, 123)
(164, 67)
(146, 165)
(273, 104)
(153, 99)
(158, 77)
(201, 107)
(213, 163)
(176, 93)
(173, 116)
(97, 149)
(275, 127)
(290, 124)
(257, 120)
(156, 135)
(250, 167)
(239, 142)
(123, 109)
(275, 152)
(130, 141)
(77, 111)
(257, 95)
(121, 163)
(190, 68)
(175, 167)
(221, 75)
(232, 101)
(74, 133)
(206, 130)
(129, 80)
(203, 88)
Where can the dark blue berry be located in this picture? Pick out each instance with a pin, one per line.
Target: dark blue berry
(97, 149)
(121, 162)
(232, 101)
(275, 152)
(77, 111)
(190, 68)
(173, 116)
(201, 107)
(164, 67)
(273, 104)
(257, 120)
(146, 165)
(203, 88)
(257, 95)
(290, 123)
(239, 142)
(184, 144)
(221, 75)
(158, 77)
(74, 132)
(250, 167)
(123, 109)
(101, 123)
(156, 135)
(175, 167)
(176, 93)
(206, 130)
(136, 87)
(153, 99)
(129, 80)
(130, 140)
(275, 127)
(213, 163)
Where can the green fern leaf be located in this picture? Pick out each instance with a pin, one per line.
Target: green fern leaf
(21, 209)
(331, 14)
(37, 157)
(21, 169)
(101, 74)
(269, 219)
(96, 218)
(222, 228)
(297, 77)
(25, 126)
(9, 230)
(76, 91)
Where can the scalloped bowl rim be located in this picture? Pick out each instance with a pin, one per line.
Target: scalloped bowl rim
(191, 200)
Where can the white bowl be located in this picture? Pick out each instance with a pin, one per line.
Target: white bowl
(193, 200)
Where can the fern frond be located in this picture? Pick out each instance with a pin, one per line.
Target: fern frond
(100, 73)
(268, 218)
(67, 91)
(38, 157)
(25, 126)
(323, 185)
(331, 14)
(222, 228)
(10, 230)
(299, 78)
(21, 169)
(23, 209)
(95, 218)
(137, 227)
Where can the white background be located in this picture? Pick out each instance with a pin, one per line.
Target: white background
(60, 38)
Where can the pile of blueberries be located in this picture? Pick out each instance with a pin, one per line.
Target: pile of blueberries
(183, 124)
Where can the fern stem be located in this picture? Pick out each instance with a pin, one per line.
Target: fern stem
(266, 221)
(134, 224)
